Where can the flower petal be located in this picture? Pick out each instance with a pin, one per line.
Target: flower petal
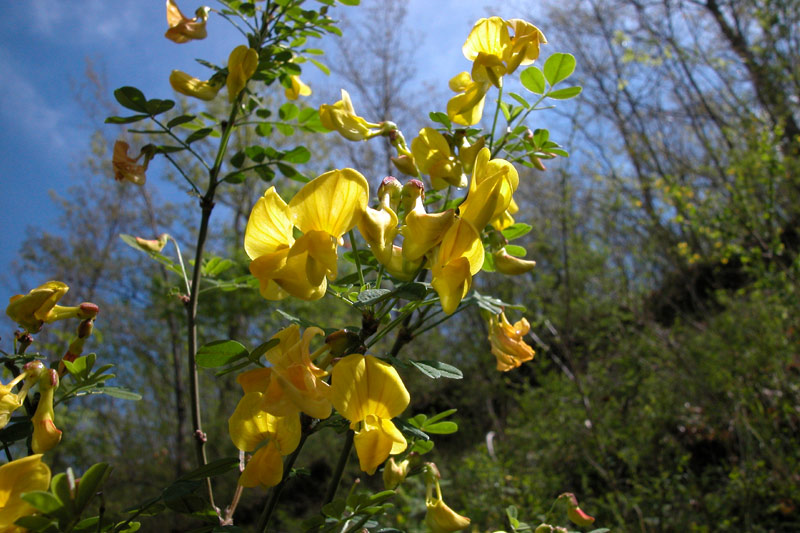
(333, 202)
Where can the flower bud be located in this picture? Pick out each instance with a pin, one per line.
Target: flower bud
(33, 309)
(405, 164)
(45, 433)
(510, 265)
(544, 528)
(395, 473)
(153, 245)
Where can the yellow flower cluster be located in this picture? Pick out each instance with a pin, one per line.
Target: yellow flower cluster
(363, 389)
(496, 47)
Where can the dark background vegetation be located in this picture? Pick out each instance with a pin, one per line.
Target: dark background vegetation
(666, 388)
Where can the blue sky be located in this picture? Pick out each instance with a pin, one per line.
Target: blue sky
(44, 134)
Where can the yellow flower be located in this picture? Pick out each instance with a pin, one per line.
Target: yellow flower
(460, 257)
(127, 168)
(11, 401)
(183, 29)
(507, 342)
(298, 89)
(323, 210)
(379, 229)
(17, 477)
(379, 226)
(342, 117)
(525, 44)
(295, 382)
(35, 308)
(395, 473)
(242, 64)
(369, 393)
(466, 108)
(432, 155)
(194, 87)
(250, 425)
(422, 231)
(45, 433)
(490, 190)
(440, 518)
(510, 265)
(486, 46)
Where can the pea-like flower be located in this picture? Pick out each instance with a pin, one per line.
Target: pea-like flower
(440, 518)
(342, 117)
(460, 256)
(16, 478)
(127, 168)
(194, 87)
(45, 433)
(32, 310)
(182, 29)
(242, 64)
(369, 393)
(508, 345)
(466, 107)
(323, 210)
(10, 401)
(510, 265)
(422, 230)
(490, 190)
(434, 158)
(297, 89)
(250, 426)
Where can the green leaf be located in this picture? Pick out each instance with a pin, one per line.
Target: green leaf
(411, 291)
(125, 120)
(320, 66)
(422, 446)
(90, 483)
(285, 129)
(220, 353)
(559, 67)
(410, 429)
(565, 94)
(177, 121)
(36, 523)
(131, 98)
(350, 2)
(532, 79)
(505, 110)
(440, 416)
(238, 159)
(437, 369)
(121, 393)
(43, 501)
(202, 133)
(441, 118)
(156, 106)
(168, 149)
(297, 155)
(524, 103)
(59, 487)
(441, 428)
(288, 111)
(212, 469)
(515, 231)
(516, 251)
(371, 297)
(263, 348)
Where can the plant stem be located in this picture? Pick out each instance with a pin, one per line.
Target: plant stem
(337, 474)
(207, 205)
(496, 112)
(355, 256)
